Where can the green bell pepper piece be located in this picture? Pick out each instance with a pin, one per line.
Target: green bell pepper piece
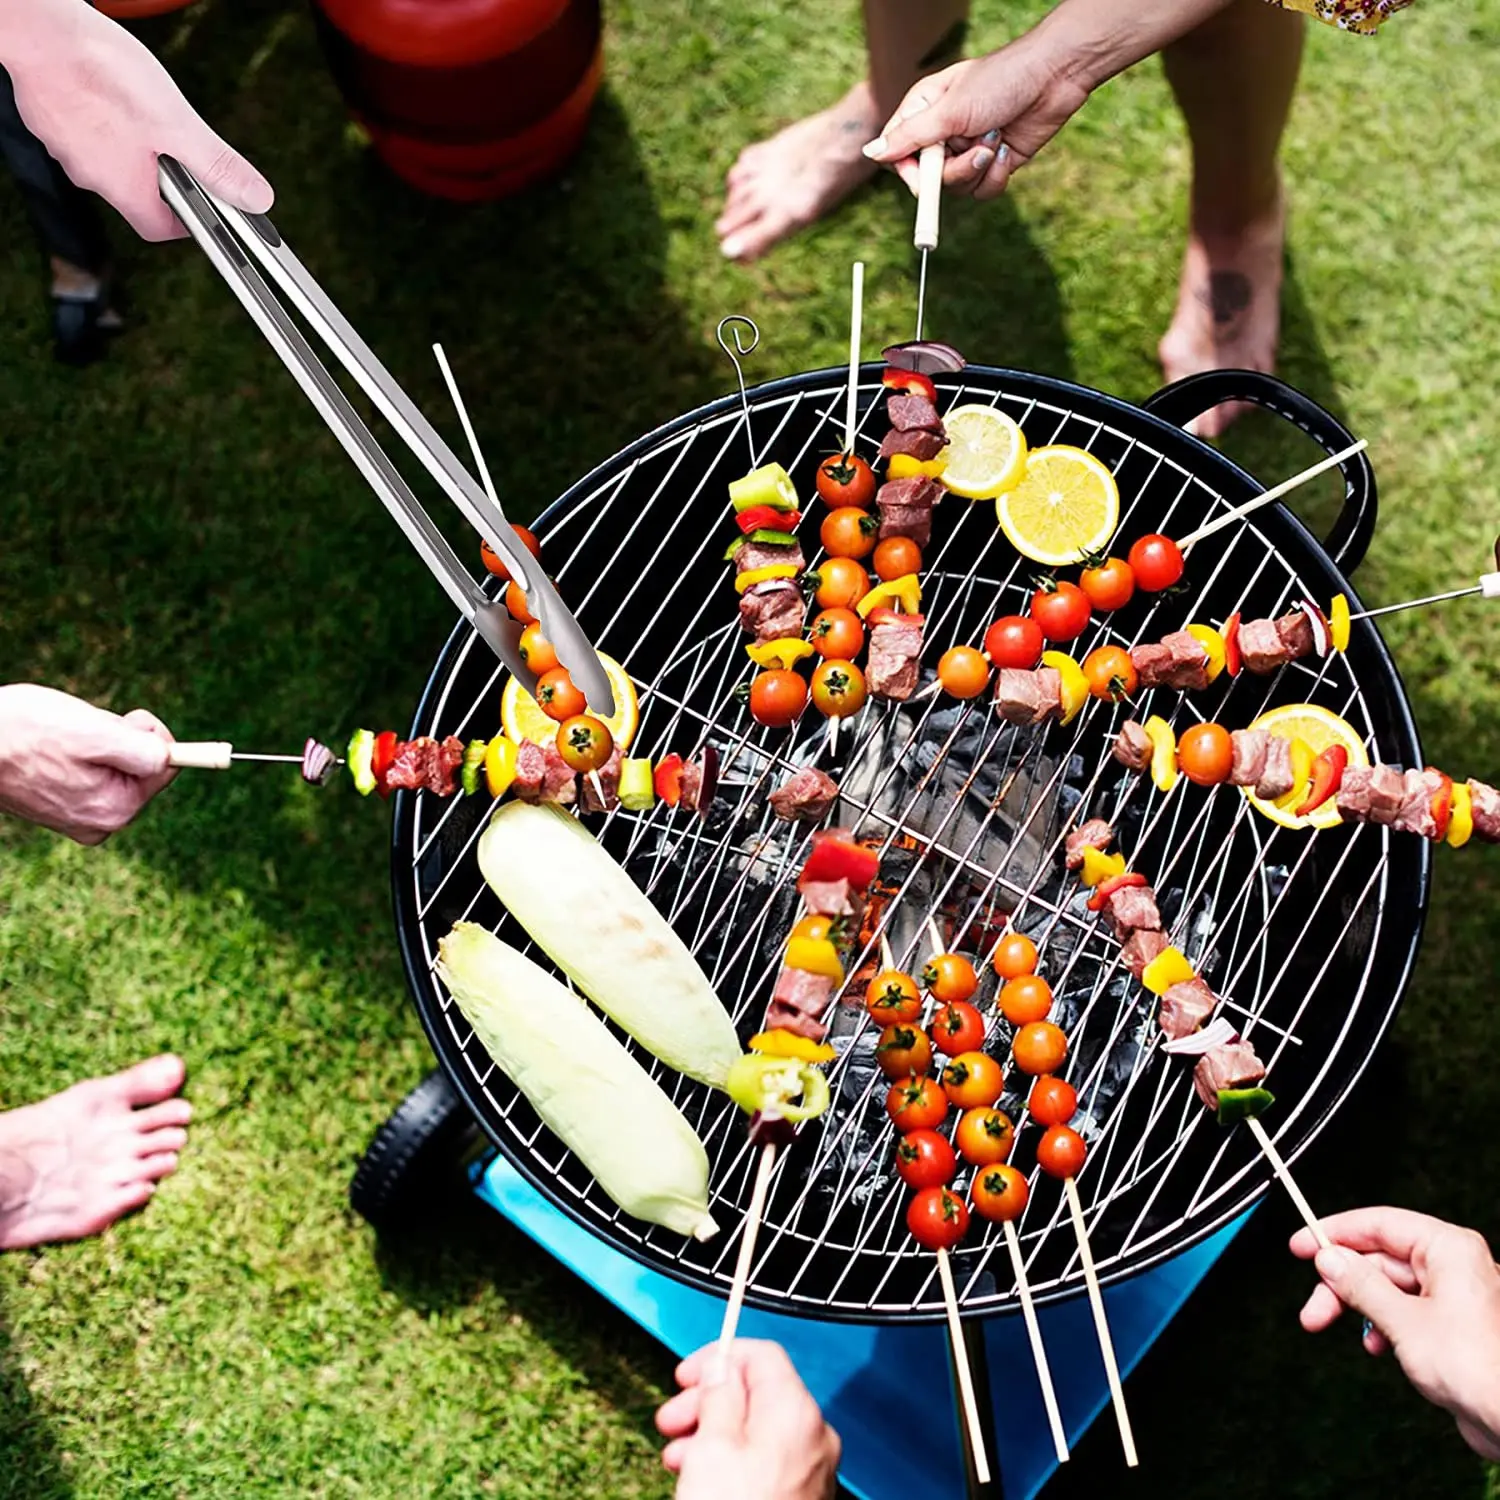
(473, 766)
(768, 485)
(1240, 1104)
(778, 1087)
(360, 757)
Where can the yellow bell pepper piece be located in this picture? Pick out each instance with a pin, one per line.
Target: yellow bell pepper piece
(783, 1043)
(1163, 752)
(904, 466)
(1213, 643)
(500, 757)
(1169, 967)
(905, 591)
(1075, 686)
(815, 956)
(786, 651)
(1338, 622)
(751, 576)
(1461, 819)
(1099, 867)
(1302, 761)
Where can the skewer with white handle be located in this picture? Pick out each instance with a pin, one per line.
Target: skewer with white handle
(1279, 1166)
(965, 1376)
(219, 755)
(1038, 1349)
(856, 328)
(1275, 493)
(747, 1248)
(929, 207)
(1488, 587)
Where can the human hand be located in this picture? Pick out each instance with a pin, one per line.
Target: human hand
(1430, 1292)
(106, 108)
(74, 768)
(746, 1429)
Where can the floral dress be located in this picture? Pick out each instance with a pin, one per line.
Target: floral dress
(1363, 16)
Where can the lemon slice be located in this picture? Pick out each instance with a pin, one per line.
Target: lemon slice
(986, 452)
(1065, 507)
(521, 716)
(1320, 729)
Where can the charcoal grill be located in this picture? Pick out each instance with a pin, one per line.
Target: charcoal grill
(1309, 937)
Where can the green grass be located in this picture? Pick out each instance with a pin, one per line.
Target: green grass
(180, 532)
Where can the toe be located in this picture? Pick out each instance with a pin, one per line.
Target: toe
(742, 209)
(151, 1081)
(108, 1208)
(151, 1168)
(171, 1138)
(174, 1111)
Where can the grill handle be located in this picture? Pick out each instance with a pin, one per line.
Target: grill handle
(1349, 537)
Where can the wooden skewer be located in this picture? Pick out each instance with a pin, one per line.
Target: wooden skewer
(1038, 1350)
(935, 936)
(747, 1249)
(887, 958)
(856, 322)
(833, 736)
(1101, 1323)
(965, 1375)
(598, 787)
(1285, 487)
(468, 427)
(1289, 1182)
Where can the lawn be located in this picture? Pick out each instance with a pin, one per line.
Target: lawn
(181, 532)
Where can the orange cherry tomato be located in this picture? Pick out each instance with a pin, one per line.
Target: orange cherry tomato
(903, 1051)
(845, 479)
(1040, 1047)
(491, 558)
(777, 697)
(895, 557)
(1052, 1102)
(999, 1193)
(937, 1219)
(842, 583)
(558, 697)
(893, 998)
(515, 602)
(848, 532)
(957, 1027)
(1061, 1151)
(1205, 754)
(584, 742)
(1111, 674)
(963, 671)
(1026, 999)
(1015, 954)
(985, 1136)
(950, 976)
(973, 1080)
(916, 1103)
(1109, 584)
(536, 650)
(838, 634)
(838, 689)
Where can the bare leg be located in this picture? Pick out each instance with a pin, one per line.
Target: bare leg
(73, 1164)
(779, 185)
(1234, 78)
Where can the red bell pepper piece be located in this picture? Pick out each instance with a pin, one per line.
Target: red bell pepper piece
(383, 758)
(908, 383)
(769, 517)
(1106, 889)
(1327, 776)
(1232, 659)
(1442, 804)
(838, 855)
(667, 778)
(883, 614)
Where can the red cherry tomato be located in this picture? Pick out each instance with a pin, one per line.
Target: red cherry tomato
(1052, 1101)
(904, 1050)
(838, 634)
(985, 1136)
(1026, 999)
(957, 1027)
(1109, 585)
(924, 1159)
(895, 557)
(937, 1219)
(916, 1104)
(1061, 1151)
(1156, 561)
(777, 697)
(1040, 1047)
(1205, 754)
(846, 479)
(1015, 954)
(558, 697)
(999, 1193)
(1014, 641)
(950, 976)
(1063, 611)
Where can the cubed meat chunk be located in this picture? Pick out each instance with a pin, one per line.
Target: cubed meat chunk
(426, 764)
(914, 521)
(1132, 908)
(805, 796)
(772, 610)
(799, 1002)
(1232, 1066)
(1185, 1007)
(1187, 670)
(1249, 764)
(910, 413)
(767, 554)
(1276, 778)
(700, 780)
(1018, 695)
(1387, 794)
(1093, 834)
(1353, 795)
(1141, 947)
(895, 659)
(918, 443)
(1296, 633)
(918, 490)
(1153, 662)
(1262, 649)
(1485, 801)
(531, 771)
(1049, 686)
(559, 781)
(831, 898)
(1416, 815)
(1133, 747)
(607, 777)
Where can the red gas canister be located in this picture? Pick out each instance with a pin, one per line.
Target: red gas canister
(467, 99)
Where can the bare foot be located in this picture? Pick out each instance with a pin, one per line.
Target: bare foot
(1228, 306)
(778, 186)
(73, 1164)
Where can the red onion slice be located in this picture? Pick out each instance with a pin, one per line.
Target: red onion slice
(318, 763)
(709, 784)
(1322, 636)
(925, 357)
(1215, 1034)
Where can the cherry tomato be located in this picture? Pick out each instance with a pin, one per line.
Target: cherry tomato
(917, 1104)
(491, 558)
(1014, 955)
(902, 1051)
(558, 697)
(842, 583)
(816, 926)
(957, 1027)
(895, 557)
(1111, 673)
(584, 742)
(848, 532)
(1109, 585)
(1014, 641)
(515, 602)
(777, 697)
(838, 634)
(1026, 999)
(838, 689)
(1039, 1047)
(846, 479)
(985, 1136)
(963, 671)
(1061, 1151)
(1052, 1101)
(536, 650)
(893, 998)
(973, 1080)
(1205, 754)
(1063, 611)
(924, 1159)
(1156, 561)
(1000, 1193)
(937, 1220)
(950, 976)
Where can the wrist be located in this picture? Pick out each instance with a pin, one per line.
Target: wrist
(1085, 43)
(38, 28)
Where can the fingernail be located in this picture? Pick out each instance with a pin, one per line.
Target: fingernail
(1003, 152)
(1365, 1330)
(875, 147)
(982, 159)
(991, 137)
(1332, 1261)
(732, 247)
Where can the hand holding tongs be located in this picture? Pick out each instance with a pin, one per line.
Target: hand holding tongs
(226, 235)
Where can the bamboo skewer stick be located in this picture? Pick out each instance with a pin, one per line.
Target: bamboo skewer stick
(747, 1249)
(856, 326)
(1279, 1166)
(1038, 1349)
(468, 427)
(1101, 1323)
(965, 1376)
(1285, 487)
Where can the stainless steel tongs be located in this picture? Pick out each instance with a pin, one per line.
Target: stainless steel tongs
(231, 239)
